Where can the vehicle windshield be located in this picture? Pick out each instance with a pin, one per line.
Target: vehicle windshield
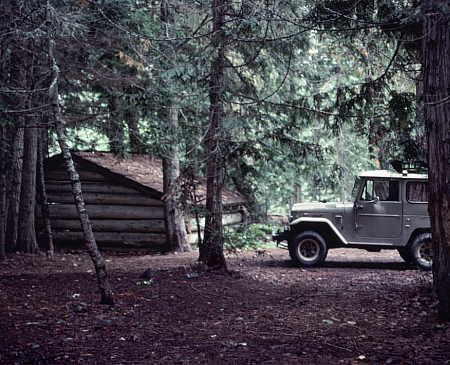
(356, 186)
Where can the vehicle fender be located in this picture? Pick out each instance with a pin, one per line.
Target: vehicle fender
(415, 233)
(323, 226)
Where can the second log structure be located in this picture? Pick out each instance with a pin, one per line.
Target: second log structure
(123, 198)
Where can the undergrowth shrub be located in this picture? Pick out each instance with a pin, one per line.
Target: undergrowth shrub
(249, 237)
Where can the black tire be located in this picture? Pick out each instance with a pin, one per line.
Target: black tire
(308, 249)
(422, 251)
(405, 254)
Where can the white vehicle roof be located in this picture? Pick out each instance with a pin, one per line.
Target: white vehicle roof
(393, 175)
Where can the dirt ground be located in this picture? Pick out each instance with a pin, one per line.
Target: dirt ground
(359, 308)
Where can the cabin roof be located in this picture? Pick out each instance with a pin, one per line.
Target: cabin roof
(142, 169)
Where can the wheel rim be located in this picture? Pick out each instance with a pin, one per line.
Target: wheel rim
(425, 253)
(308, 250)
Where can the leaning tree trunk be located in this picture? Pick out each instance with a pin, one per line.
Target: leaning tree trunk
(211, 251)
(91, 244)
(436, 70)
(175, 225)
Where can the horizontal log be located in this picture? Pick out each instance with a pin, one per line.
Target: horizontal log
(84, 175)
(68, 211)
(227, 219)
(106, 198)
(53, 186)
(192, 238)
(71, 246)
(125, 239)
(153, 248)
(112, 225)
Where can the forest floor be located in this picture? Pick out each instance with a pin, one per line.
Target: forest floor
(359, 308)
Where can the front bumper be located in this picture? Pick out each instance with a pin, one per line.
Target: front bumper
(280, 236)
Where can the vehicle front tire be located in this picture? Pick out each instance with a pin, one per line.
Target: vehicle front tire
(308, 249)
(422, 251)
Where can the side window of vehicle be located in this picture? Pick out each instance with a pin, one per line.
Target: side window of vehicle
(384, 190)
(367, 193)
(390, 191)
(417, 192)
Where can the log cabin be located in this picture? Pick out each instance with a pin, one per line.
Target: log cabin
(123, 198)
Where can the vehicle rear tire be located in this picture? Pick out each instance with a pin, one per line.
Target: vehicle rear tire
(406, 255)
(308, 249)
(422, 251)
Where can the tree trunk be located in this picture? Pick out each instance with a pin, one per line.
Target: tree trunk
(211, 251)
(19, 74)
(420, 138)
(5, 65)
(14, 184)
(242, 183)
(175, 225)
(131, 117)
(176, 228)
(436, 70)
(195, 208)
(91, 245)
(26, 239)
(3, 206)
(42, 196)
(114, 129)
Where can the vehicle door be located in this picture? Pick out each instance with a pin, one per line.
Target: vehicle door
(378, 212)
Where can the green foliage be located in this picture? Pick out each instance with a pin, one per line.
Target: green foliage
(305, 110)
(248, 237)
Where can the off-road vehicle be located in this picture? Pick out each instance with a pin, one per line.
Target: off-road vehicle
(389, 211)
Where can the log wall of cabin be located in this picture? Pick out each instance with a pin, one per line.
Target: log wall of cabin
(230, 217)
(121, 216)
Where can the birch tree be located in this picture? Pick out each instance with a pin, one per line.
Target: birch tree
(89, 238)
